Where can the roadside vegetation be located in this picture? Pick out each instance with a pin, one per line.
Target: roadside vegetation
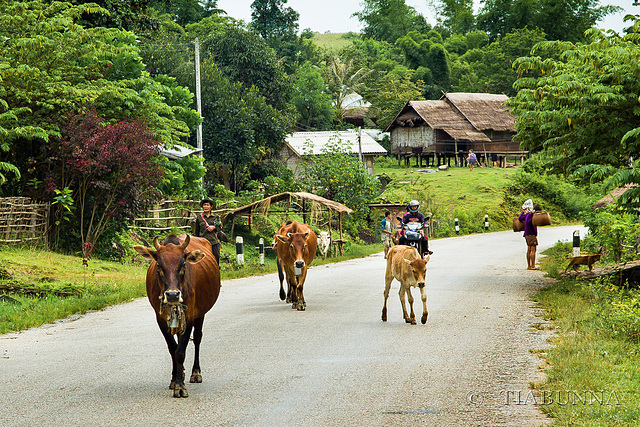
(592, 367)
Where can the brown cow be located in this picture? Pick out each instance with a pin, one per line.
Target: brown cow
(407, 267)
(295, 247)
(183, 283)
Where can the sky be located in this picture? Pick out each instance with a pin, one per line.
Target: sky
(334, 16)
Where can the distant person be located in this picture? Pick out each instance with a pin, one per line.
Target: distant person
(208, 225)
(386, 233)
(530, 232)
(473, 160)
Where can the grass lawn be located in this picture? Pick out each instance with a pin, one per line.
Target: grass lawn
(455, 193)
(332, 41)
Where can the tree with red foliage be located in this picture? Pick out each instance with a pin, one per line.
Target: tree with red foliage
(110, 169)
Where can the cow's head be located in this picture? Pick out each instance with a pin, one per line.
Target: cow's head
(325, 240)
(171, 258)
(418, 269)
(297, 244)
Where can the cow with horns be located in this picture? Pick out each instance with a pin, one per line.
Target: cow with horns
(183, 283)
(295, 248)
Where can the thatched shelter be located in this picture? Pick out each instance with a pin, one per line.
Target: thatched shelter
(454, 124)
(313, 208)
(612, 197)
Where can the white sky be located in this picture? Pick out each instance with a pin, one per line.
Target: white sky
(334, 16)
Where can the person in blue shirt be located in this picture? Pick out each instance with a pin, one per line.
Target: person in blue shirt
(386, 233)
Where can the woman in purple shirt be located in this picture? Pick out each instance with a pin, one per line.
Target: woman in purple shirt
(530, 235)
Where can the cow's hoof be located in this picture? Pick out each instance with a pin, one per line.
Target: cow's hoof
(180, 391)
(196, 377)
(172, 385)
(407, 320)
(384, 318)
(424, 319)
(283, 296)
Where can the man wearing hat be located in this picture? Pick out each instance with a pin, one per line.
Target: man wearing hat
(208, 225)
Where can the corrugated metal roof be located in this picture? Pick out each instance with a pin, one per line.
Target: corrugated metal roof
(303, 143)
(177, 152)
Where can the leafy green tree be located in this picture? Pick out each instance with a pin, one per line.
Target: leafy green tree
(559, 19)
(244, 57)
(186, 12)
(579, 102)
(52, 66)
(490, 69)
(427, 55)
(273, 21)
(241, 126)
(132, 15)
(313, 104)
(391, 91)
(389, 20)
(338, 176)
(343, 79)
(456, 16)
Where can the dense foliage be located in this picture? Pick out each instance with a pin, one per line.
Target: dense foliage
(133, 64)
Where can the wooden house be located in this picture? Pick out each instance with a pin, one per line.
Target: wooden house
(300, 144)
(448, 128)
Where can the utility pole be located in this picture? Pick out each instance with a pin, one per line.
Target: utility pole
(360, 144)
(198, 98)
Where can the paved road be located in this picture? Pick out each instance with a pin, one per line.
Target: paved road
(336, 364)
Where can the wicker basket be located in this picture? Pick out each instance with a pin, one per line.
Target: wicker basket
(518, 225)
(541, 219)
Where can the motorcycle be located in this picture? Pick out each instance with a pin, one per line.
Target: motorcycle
(413, 235)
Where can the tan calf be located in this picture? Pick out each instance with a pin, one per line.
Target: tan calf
(405, 265)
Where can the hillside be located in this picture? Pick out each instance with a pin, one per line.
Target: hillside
(333, 41)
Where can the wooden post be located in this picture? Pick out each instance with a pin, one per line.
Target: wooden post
(340, 243)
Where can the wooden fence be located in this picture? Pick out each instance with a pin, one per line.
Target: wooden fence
(169, 214)
(23, 221)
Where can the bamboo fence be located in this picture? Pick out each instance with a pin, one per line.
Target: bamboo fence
(22, 221)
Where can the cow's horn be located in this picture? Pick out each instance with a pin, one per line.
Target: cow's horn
(289, 235)
(186, 242)
(155, 243)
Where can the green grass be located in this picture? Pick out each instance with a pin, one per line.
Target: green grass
(589, 353)
(102, 283)
(98, 285)
(455, 193)
(332, 41)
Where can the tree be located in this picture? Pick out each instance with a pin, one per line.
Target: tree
(186, 12)
(241, 127)
(391, 91)
(343, 79)
(579, 101)
(244, 57)
(389, 20)
(313, 104)
(108, 168)
(56, 66)
(559, 19)
(490, 69)
(273, 21)
(456, 16)
(426, 54)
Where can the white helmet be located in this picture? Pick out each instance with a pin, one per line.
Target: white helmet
(413, 206)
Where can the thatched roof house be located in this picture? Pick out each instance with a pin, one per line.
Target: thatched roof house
(300, 144)
(454, 124)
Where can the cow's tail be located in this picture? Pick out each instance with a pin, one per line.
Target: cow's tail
(283, 294)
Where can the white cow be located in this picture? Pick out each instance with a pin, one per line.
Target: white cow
(324, 243)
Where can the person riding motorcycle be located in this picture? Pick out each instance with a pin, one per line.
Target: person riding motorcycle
(413, 215)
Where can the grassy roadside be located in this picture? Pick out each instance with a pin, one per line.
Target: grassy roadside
(64, 287)
(593, 370)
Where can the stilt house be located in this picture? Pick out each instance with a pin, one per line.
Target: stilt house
(448, 128)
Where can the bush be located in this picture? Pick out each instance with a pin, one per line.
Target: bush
(613, 229)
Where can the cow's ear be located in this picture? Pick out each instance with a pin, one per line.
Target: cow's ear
(282, 239)
(194, 257)
(146, 253)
